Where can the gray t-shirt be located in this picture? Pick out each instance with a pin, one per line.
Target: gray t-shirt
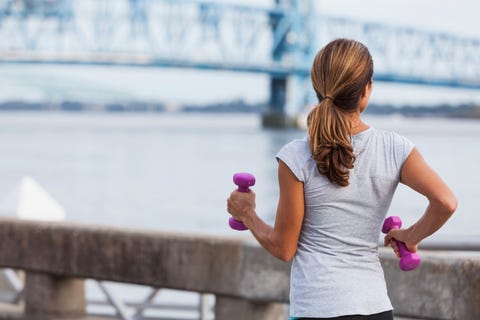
(336, 270)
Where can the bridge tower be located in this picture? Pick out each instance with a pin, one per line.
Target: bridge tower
(293, 44)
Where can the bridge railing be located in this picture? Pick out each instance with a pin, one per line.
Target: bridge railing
(247, 282)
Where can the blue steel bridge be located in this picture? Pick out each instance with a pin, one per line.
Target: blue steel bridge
(279, 41)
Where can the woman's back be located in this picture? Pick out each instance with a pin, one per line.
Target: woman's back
(335, 190)
(337, 256)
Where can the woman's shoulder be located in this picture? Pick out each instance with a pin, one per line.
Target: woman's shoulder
(298, 149)
(389, 136)
(381, 132)
(397, 145)
(295, 155)
(298, 145)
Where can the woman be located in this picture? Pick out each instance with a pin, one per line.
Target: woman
(336, 186)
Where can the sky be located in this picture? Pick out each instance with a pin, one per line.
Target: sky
(187, 86)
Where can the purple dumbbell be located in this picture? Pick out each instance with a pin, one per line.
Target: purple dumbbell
(408, 260)
(243, 181)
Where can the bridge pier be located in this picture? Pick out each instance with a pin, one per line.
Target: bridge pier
(279, 120)
(288, 98)
(276, 117)
(288, 94)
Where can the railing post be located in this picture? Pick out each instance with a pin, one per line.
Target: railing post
(203, 307)
(228, 308)
(48, 296)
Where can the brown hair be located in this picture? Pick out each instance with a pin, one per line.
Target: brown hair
(340, 72)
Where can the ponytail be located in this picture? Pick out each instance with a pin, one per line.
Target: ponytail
(330, 142)
(340, 72)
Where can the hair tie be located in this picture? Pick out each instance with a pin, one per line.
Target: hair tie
(327, 97)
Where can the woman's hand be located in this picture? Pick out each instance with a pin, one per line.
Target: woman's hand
(241, 205)
(400, 235)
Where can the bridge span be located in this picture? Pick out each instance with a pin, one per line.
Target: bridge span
(279, 41)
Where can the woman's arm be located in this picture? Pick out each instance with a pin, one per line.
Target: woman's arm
(418, 175)
(280, 240)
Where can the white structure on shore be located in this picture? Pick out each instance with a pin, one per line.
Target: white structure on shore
(28, 200)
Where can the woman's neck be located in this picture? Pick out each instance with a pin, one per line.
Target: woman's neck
(357, 125)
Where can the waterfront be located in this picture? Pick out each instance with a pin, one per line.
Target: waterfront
(172, 171)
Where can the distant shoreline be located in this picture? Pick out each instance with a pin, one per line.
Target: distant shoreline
(236, 106)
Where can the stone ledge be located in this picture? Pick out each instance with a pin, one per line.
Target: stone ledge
(445, 286)
(219, 265)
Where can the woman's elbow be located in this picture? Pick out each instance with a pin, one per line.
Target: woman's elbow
(451, 205)
(448, 204)
(286, 255)
(285, 258)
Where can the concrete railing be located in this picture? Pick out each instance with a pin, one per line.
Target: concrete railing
(247, 282)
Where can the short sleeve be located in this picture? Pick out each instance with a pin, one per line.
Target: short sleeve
(295, 155)
(402, 149)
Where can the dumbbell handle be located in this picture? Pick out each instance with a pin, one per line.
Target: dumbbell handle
(243, 180)
(402, 248)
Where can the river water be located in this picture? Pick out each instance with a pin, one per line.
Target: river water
(173, 171)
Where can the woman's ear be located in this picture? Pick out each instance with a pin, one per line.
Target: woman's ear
(365, 97)
(367, 90)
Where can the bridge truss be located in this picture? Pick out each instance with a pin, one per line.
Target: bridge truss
(279, 41)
